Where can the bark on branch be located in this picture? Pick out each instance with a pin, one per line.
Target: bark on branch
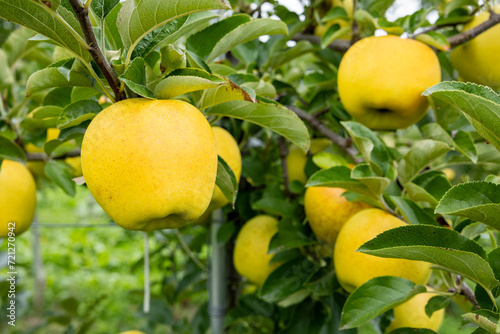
(82, 14)
(343, 143)
(44, 157)
(471, 33)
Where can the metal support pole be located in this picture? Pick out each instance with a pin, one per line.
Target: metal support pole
(217, 277)
(147, 286)
(38, 267)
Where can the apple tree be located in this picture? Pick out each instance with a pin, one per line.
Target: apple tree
(342, 131)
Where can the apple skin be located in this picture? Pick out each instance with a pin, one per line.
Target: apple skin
(355, 268)
(477, 60)
(17, 197)
(412, 314)
(327, 211)
(150, 164)
(381, 80)
(250, 256)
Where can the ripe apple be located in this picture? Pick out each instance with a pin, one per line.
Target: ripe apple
(327, 211)
(250, 257)
(477, 59)
(381, 80)
(150, 164)
(227, 149)
(355, 268)
(17, 197)
(412, 314)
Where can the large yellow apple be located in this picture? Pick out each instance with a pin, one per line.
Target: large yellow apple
(381, 80)
(17, 197)
(412, 314)
(327, 211)
(355, 268)
(250, 257)
(227, 149)
(150, 164)
(296, 159)
(477, 59)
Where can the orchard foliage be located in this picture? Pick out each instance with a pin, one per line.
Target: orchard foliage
(253, 75)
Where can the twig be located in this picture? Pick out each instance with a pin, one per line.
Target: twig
(434, 28)
(466, 291)
(471, 33)
(82, 14)
(355, 25)
(339, 45)
(188, 251)
(43, 156)
(343, 143)
(284, 164)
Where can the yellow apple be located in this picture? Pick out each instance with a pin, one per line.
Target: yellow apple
(381, 80)
(450, 173)
(477, 59)
(296, 159)
(227, 149)
(327, 211)
(321, 29)
(355, 268)
(150, 164)
(17, 197)
(76, 164)
(250, 257)
(412, 314)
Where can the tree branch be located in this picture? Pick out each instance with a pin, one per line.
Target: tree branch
(343, 143)
(466, 291)
(471, 33)
(82, 14)
(284, 163)
(44, 157)
(339, 45)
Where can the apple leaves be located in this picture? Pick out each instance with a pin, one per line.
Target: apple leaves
(479, 104)
(479, 201)
(226, 181)
(375, 297)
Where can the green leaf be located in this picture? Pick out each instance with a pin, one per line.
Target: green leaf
(77, 113)
(334, 32)
(465, 145)
(224, 35)
(327, 160)
(435, 39)
(223, 93)
(322, 282)
(363, 173)
(226, 180)
(439, 245)
(171, 59)
(40, 18)
(10, 151)
(412, 212)
(277, 59)
(46, 112)
(61, 174)
(419, 157)
(371, 147)
(436, 132)
(135, 78)
(281, 283)
(375, 297)
(336, 13)
(482, 321)
(340, 177)
(433, 183)
(291, 235)
(494, 260)
(111, 28)
(6, 78)
(186, 80)
(436, 303)
(51, 77)
(137, 19)
(479, 201)
(272, 116)
(102, 8)
(276, 206)
(225, 232)
(479, 104)
(18, 45)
